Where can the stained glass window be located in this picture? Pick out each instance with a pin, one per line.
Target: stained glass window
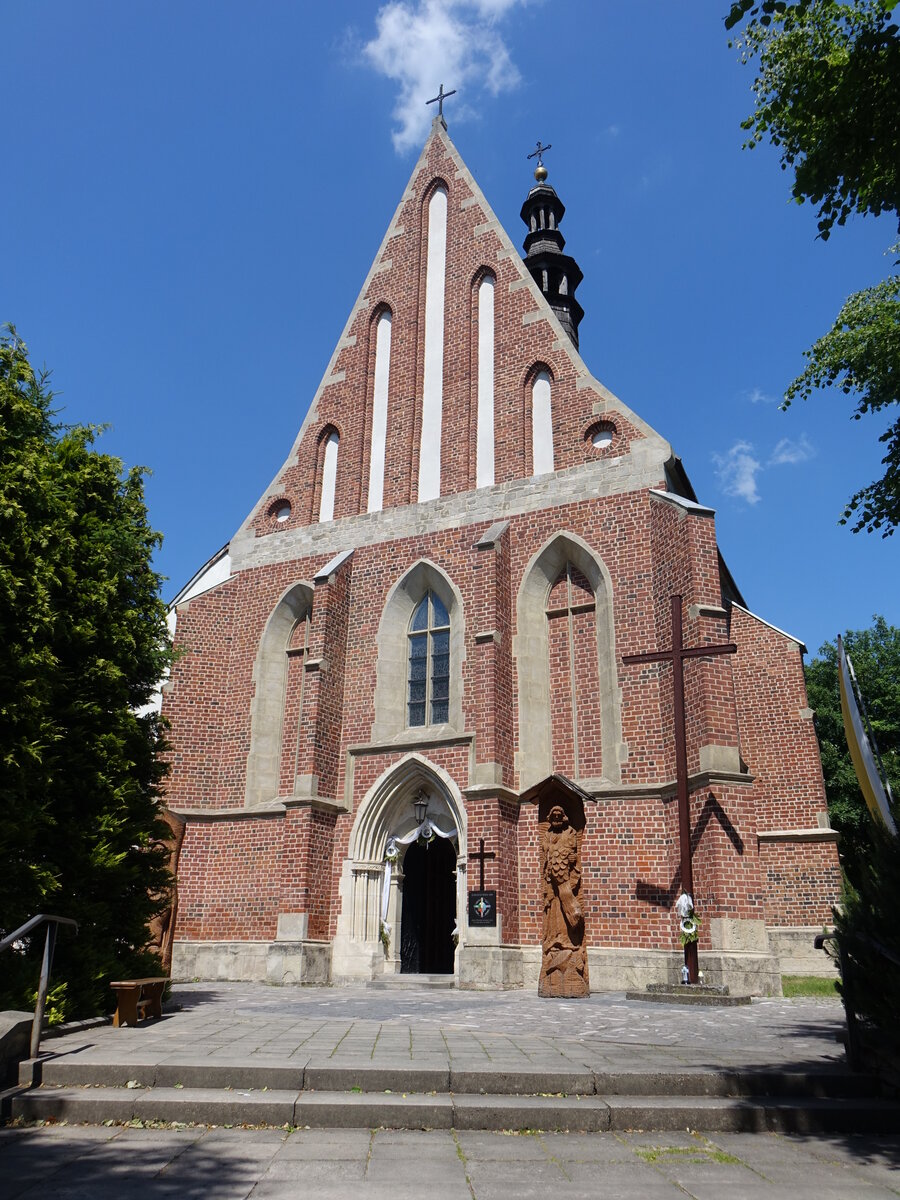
(429, 663)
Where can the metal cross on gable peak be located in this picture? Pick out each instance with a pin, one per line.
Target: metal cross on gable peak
(440, 98)
(540, 152)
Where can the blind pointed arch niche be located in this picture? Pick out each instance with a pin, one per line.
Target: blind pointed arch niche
(277, 696)
(541, 424)
(484, 445)
(567, 586)
(379, 411)
(329, 474)
(433, 372)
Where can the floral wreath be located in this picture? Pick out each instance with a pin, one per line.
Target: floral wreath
(689, 923)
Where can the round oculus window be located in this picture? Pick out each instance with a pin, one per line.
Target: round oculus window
(282, 511)
(601, 436)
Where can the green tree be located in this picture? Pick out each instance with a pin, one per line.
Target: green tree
(83, 643)
(861, 355)
(875, 654)
(827, 95)
(867, 918)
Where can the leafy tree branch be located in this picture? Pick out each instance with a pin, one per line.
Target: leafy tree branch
(861, 355)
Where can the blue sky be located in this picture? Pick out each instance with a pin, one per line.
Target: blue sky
(194, 192)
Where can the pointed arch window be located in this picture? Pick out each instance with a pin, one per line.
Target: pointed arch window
(428, 695)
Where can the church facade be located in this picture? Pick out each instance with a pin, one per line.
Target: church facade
(417, 637)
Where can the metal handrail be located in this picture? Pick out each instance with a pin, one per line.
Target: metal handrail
(53, 924)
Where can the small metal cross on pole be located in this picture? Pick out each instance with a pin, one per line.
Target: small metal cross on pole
(481, 856)
(440, 98)
(676, 657)
(540, 152)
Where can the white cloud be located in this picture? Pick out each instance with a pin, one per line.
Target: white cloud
(758, 396)
(737, 470)
(423, 43)
(789, 452)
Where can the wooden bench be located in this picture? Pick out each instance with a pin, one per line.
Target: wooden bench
(137, 999)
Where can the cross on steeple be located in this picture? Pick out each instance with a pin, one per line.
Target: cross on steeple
(440, 98)
(540, 152)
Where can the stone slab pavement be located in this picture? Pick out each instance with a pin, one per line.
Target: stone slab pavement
(59, 1162)
(494, 1030)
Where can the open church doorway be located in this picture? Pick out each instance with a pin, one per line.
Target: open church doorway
(429, 909)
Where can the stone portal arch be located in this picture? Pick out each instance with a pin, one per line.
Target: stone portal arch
(386, 811)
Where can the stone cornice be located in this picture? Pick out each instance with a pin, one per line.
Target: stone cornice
(408, 743)
(638, 470)
(798, 835)
(227, 814)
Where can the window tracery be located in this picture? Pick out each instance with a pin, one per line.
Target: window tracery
(428, 695)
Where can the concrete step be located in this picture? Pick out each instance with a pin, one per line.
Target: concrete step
(444, 1110)
(402, 982)
(326, 1074)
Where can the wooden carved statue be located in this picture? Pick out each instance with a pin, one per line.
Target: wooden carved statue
(162, 927)
(564, 969)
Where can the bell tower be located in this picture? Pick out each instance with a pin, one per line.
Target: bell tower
(556, 273)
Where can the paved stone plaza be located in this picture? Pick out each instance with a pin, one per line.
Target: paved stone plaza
(96, 1163)
(500, 1031)
(433, 1026)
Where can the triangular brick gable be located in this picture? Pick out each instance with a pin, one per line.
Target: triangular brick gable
(528, 338)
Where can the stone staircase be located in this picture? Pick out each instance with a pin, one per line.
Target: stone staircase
(421, 1097)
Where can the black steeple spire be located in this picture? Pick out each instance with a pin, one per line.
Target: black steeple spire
(557, 274)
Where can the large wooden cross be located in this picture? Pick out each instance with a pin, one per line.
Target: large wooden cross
(676, 657)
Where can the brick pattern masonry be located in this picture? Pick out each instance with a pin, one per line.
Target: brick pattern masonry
(752, 747)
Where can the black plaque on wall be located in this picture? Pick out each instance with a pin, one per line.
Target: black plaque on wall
(482, 910)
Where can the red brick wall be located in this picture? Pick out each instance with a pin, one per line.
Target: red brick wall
(229, 880)
(802, 881)
(237, 874)
(399, 284)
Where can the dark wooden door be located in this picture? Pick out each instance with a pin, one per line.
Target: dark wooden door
(429, 909)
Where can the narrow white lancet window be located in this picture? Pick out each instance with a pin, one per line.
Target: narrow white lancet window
(484, 458)
(379, 412)
(541, 425)
(329, 475)
(433, 375)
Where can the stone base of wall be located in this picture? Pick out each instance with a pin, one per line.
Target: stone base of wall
(488, 968)
(248, 962)
(483, 968)
(796, 954)
(299, 962)
(742, 972)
